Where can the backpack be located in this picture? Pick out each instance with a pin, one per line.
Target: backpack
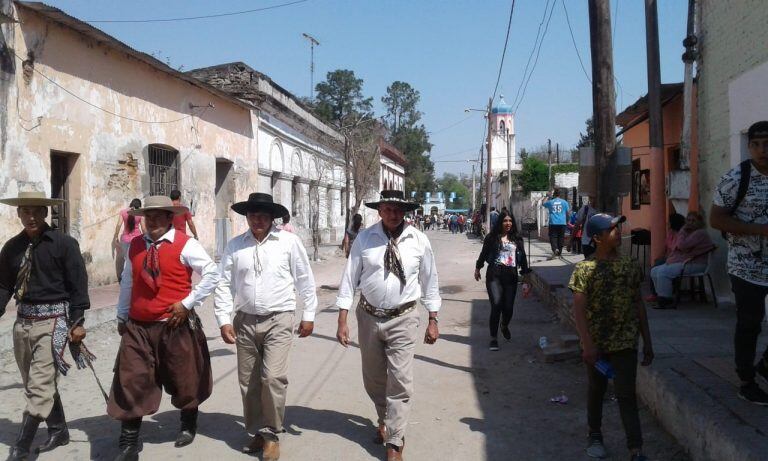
(746, 173)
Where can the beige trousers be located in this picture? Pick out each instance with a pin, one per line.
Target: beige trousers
(387, 347)
(34, 356)
(263, 345)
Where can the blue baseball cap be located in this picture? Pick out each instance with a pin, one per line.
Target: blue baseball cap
(603, 222)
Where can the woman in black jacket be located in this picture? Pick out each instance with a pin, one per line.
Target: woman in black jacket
(503, 251)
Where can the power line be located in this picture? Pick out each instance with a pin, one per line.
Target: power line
(69, 92)
(452, 125)
(504, 52)
(536, 61)
(573, 40)
(193, 18)
(533, 50)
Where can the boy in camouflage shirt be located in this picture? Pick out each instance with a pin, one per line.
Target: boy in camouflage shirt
(609, 318)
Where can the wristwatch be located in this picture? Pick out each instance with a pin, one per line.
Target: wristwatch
(437, 320)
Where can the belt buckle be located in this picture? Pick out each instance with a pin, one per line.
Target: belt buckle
(379, 312)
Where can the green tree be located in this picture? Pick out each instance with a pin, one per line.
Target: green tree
(452, 183)
(340, 102)
(340, 99)
(588, 138)
(401, 101)
(534, 176)
(410, 137)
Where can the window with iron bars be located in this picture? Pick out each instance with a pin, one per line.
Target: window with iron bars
(163, 169)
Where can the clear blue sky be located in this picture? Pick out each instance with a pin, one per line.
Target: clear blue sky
(449, 50)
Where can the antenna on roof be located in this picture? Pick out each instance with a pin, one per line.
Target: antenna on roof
(312, 42)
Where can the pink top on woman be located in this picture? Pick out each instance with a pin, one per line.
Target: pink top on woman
(127, 235)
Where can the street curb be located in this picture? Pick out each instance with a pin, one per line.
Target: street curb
(703, 426)
(93, 318)
(698, 421)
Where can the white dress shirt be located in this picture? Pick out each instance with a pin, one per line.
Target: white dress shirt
(193, 255)
(262, 277)
(365, 271)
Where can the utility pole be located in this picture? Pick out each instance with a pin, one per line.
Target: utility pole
(482, 163)
(655, 132)
(508, 137)
(474, 203)
(603, 101)
(689, 57)
(557, 153)
(549, 161)
(489, 174)
(312, 42)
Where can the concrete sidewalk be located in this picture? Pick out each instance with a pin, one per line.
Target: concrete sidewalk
(691, 386)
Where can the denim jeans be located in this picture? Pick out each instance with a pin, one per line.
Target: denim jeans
(501, 284)
(664, 274)
(750, 311)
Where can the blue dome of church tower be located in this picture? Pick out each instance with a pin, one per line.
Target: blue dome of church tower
(502, 107)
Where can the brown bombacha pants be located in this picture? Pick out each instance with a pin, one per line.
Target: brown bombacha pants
(33, 349)
(153, 357)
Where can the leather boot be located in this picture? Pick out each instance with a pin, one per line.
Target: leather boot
(188, 428)
(271, 450)
(20, 450)
(129, 440)
(58, 434)
(395, 453)
(381, 435)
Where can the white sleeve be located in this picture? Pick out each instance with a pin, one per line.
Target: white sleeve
(430, 288)
(303, 279)
(223, 301)
(194, 255)
(350, 279)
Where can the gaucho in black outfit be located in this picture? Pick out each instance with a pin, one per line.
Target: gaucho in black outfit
(503, 251)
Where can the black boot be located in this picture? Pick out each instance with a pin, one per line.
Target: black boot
(129, 440)
(20, 450)
(58, 434)
(188, 428)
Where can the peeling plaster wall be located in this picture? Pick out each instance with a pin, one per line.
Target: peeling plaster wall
(112, 152)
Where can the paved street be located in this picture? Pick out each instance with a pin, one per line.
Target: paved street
(470, 403)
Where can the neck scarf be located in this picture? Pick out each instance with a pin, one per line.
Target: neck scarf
(392, 261)
(25, 271)
(151, 270)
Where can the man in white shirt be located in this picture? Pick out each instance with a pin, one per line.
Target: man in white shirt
(162, 342)
(392, 265)
(254, 305)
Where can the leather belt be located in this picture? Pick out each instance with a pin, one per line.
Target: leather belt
(385, 313)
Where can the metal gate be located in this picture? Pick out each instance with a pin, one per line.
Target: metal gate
(163, 170)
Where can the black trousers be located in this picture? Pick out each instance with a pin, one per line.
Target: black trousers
(750, 310)
(556, 237)
(625, 366)
(501, 284)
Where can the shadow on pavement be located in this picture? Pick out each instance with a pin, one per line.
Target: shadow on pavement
(102, 432)
(351, 427)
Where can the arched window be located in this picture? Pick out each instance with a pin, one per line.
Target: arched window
(502, 127)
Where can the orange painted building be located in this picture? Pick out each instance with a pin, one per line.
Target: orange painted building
(680, 173)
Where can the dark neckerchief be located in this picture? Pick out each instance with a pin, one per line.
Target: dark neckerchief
(392, 261)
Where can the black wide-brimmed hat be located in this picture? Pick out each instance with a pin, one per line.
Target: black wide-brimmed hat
(258, 201)
(393, 196)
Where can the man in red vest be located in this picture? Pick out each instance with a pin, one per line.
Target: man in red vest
(162, 344)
